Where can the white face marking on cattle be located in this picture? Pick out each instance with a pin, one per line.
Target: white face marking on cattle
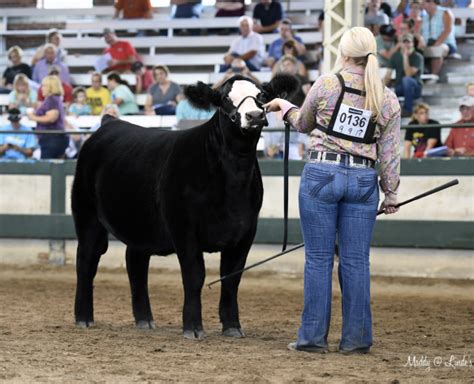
(241, 89)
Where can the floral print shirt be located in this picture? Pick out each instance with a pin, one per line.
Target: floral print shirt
(319, 107)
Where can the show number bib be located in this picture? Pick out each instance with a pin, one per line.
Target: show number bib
(351, 121)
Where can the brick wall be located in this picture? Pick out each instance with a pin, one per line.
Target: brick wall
(103, 2)
(17, 3)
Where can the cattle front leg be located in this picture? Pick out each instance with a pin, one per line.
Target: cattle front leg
(92, 244)
(137, 269)
(193, 274)
(231, 261)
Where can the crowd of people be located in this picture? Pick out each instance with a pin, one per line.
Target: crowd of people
(412, 39)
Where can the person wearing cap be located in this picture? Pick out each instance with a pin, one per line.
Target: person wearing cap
(43, 66)
(122, 53)
(16, 146)
(286, 34)
(353, 122)
(387, 45)
(136, 9)
(460, 141)
(408, 65)
(67, 89)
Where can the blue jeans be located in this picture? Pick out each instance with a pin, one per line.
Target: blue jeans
(411, 89)
(337, 200)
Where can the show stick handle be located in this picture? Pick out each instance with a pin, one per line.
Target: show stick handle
(427, 193)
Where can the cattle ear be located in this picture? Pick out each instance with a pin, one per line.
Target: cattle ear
(282, 85)
(202, 96)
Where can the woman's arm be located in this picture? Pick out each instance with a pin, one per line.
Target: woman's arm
(149, 105)
(388, 149)
(49, 117)
(406, 149)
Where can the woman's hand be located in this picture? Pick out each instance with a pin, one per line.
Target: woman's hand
(31, 115)
(389, 203)
(273, 106)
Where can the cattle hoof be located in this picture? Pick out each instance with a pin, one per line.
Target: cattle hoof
(234, 332)
(146, 324)
(194, 334)
(84, 324)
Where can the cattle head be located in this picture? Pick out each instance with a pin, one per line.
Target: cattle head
(241, 99)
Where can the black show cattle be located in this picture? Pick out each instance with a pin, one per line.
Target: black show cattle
(187, 192)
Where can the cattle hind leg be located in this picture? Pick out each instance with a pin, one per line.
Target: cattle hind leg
(231, 260)
(137, 269)
(92, 243)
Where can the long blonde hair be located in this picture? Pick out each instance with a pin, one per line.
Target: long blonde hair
(21, 78)
(359, 44)
(53, 84)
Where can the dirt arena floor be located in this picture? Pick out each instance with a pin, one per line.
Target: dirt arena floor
(423, 331)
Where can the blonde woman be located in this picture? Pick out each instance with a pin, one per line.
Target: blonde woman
(353, 122)
(50, 116)
(15, 55)
(22, 96)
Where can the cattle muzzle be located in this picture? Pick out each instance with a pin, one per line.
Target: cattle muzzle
(256, 119)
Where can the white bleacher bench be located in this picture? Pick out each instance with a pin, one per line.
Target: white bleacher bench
(86, 122)
(463, 14)
(94, 26)
(177, 41)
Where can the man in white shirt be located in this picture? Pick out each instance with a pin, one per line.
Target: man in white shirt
(249, 46)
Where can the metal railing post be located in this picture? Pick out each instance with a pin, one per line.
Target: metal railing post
(57, 247)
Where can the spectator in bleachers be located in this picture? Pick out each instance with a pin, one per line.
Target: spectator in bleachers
(230, 8)
(414, 17)
(267, 16)
(274, 141)
(50, 116)
(238, 67)
(122, 52)
(421, 139)
(67, 89)
(43, 66)
(144, 77)
(22, 96)
(289, 49)
(275, 50)
(79, 107)
(289, 65)
(121, 95)
(15, 55)
(16, 146)
(460, 141)
(375, 17)
(438, 32)
(53, 37)
(186, 111)
(109, 109)
(408, 65)
(136, 9)
(163, 95)
(470, 89)
(97, 95)
(249, 46)
(186, 9)
(387, 45)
